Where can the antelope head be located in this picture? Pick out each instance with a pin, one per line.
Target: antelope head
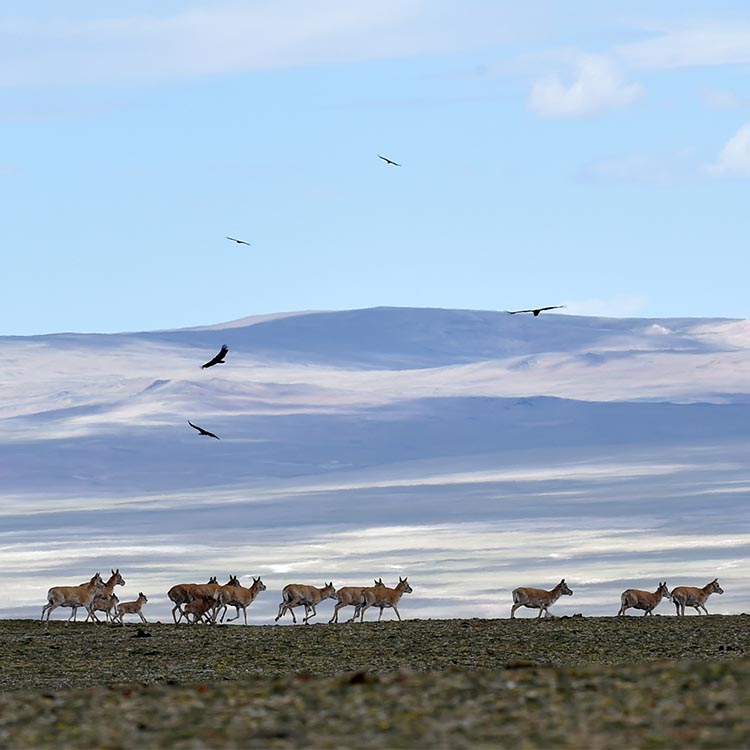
(404, 585)
(564, 588)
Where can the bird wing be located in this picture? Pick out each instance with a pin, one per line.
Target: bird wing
(218, 358)
(202, 431)
(551, 307)
(234, 239)
(514, 312)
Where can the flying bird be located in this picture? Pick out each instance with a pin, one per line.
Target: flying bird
(239, 242)
(202, 431)
(218, 359)
(388, 161)
(536, 310)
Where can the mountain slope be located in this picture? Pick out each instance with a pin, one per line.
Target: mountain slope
(475, 451)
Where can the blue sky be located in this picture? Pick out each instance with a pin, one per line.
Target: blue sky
(588, 156)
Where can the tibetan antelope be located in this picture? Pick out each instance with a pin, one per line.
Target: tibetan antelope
(103, 598)
(200, 609)
(348, 596)
(302, 595)
(381, 596)
(180, 594)
(644, 600)
(108, 606)
(222, 594)
(72, 596)
(241, 598)
(692, 596)
(538, 598)
(131, 608)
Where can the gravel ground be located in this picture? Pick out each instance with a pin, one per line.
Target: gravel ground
(568, 682)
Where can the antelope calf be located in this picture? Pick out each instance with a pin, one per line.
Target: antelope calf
(538, 598)
(692, 596)
(131, 608)
(348, 596)
(180, 594)
(106, 605)
(644, 600)
(241, 598)
(300, 594)
(381, 596)
(200, 609)
(72, 596)
(104, 598)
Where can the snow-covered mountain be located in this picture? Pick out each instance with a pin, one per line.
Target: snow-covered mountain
(472, 451)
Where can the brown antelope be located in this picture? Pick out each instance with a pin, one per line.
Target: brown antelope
(180, 594)
(381, 596)
(131, 608)
(538, 598)
(642, 599)
(222, 595)
(200, 609)
(103, 601)
(348, 596)
(105, 605)
(241, 598)
(692, 596)
(300, 594)
(72, 596)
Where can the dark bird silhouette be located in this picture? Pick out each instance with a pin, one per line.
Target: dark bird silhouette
(218, 359)
(388, 161)
(239, 242)
(536, 310)
(202, 431)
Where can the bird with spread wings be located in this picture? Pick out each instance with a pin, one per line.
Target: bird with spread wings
(535, 310)
(218, 359)
(389, 161)
(239, 242)
(201, 431)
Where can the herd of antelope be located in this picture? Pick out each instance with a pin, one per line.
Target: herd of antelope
(209, 602)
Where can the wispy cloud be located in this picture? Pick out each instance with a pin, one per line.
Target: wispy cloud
(233, 37)
(598, 87)
(654, 170)
(721, 99)
(707, 43)
(734, 158)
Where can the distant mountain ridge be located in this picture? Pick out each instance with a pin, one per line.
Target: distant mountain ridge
(404, 338)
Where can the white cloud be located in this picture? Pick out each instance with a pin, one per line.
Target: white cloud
(654, 170)
(599, 86)
(719, 99)
(717, 43)
(233, 37)
(734, 157)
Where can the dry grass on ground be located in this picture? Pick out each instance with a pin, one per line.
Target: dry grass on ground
(572, 682)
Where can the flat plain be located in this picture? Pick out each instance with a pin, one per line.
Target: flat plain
(559, 682)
